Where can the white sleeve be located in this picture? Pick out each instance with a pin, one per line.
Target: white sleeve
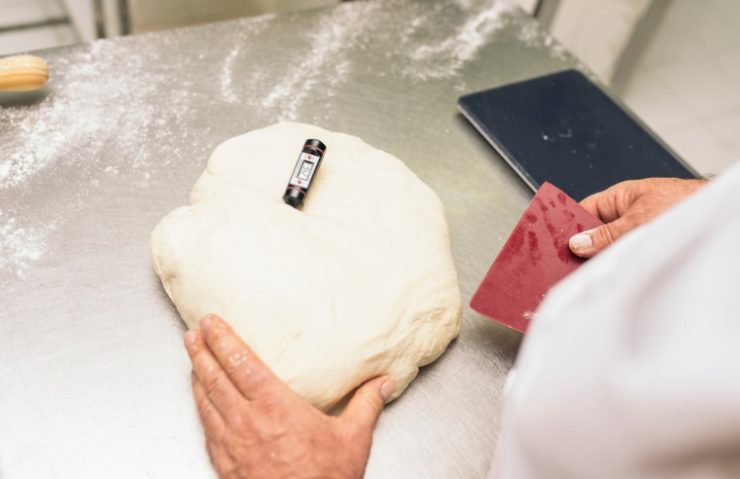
(631, 368)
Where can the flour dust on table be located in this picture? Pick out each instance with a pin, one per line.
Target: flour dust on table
(358, 283)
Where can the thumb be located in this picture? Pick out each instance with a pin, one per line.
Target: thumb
(588, 243)
(365, 406)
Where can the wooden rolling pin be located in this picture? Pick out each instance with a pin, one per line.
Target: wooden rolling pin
(23, 73)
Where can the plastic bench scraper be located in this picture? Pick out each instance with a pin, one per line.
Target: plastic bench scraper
(534, 258)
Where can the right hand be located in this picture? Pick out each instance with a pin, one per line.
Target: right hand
(257, 427)
(627, 205)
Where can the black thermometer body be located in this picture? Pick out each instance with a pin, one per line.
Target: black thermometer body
(304, 172)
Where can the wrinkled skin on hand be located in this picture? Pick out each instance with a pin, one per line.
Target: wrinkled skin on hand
(627, 205)
(257, 427)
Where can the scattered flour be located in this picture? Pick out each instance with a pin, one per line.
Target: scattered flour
(446, 58)
(84, 114)
(534, 36)
(419, 51)
(317, 67)
(252, 26)
(325, 59)
(19, 245)
(105, 99)
(93, 121)
(227, 74)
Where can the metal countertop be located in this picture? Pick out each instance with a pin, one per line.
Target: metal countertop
(94, 381)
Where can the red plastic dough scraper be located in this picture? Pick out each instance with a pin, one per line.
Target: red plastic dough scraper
(534, 258)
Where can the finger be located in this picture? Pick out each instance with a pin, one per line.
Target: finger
(612, 203)
(247, 371)
(363, 409)
(589, 203)
(213, 422)
(216, 383)
(588, 243)
(603, 205)
(213, 427)
(220, 458)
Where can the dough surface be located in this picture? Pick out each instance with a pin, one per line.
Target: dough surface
(359, 283)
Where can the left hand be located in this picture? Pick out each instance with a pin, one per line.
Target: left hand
(257, 427)
(627, 205)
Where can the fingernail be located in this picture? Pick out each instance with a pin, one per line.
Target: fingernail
(581, 241)
(206, 322)
(387, 389)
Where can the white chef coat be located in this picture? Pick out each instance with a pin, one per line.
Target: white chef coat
(631, 368)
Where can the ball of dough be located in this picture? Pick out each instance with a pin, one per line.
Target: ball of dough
(359, 283)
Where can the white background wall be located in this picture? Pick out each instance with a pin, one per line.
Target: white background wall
(597, 31)
(82, 15)
(686, 86)
(149, 15)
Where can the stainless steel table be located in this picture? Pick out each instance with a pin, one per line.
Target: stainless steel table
(94, 381)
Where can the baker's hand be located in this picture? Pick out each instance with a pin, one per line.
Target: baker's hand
(627, 205)
(257, 427)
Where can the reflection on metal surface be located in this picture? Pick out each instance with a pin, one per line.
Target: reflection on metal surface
(95, 378)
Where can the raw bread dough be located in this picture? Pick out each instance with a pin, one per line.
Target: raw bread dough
(357, 284)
